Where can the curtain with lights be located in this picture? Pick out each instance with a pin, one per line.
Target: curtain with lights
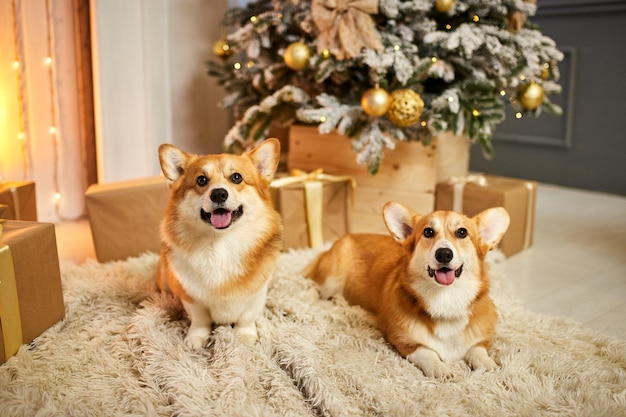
(45, 102)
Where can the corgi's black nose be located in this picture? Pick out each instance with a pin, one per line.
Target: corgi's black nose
(444, 255)
(219, 195)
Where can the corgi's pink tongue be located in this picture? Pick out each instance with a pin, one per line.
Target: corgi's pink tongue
(220, 219)
(444, 276)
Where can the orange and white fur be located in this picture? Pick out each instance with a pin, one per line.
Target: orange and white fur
(427, 285)
(221, 237)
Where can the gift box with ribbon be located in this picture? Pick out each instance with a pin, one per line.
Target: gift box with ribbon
(31, 297)
(315, 207)
(474, 193)
(125, 217)
(20, 200)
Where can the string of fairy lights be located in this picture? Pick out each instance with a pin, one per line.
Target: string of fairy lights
(24, 135)
(19, 66)
(54, 128)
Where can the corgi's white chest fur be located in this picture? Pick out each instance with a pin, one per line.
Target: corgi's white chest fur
(449, 305)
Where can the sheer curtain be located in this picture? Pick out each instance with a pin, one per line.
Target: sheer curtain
(46, 131)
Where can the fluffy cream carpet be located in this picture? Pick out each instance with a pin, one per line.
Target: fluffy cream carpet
(119, 351)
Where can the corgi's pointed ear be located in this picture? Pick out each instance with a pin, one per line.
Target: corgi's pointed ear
(173, 161)
(266, 156)
(492, 224)
(399, 220)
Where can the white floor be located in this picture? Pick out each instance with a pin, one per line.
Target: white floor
(576, 267)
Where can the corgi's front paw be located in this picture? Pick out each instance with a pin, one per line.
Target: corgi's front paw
(478, 359)
(438, 370)
(197, 338)
(431, 365)
(247, 334)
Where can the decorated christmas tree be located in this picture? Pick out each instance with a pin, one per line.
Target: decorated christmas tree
(379, 71)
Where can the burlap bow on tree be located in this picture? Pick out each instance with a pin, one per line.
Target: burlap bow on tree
(517, 19)
(346, 26)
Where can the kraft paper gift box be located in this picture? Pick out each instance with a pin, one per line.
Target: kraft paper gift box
(20, 199)
(474, 193)
(31, 296)
(125, 217)
(315, 207)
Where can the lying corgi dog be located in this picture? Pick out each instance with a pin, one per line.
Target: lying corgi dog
(427, 285)
(221, 237)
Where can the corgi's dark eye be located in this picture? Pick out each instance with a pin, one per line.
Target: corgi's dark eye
(202, 181)
(429, 232)
(236, 178)
(461, 233)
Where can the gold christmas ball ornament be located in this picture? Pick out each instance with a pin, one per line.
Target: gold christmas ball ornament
(530, 95)
(444, 6)
(375, 101)
(222, 49)
(297, 56)
(406, 108)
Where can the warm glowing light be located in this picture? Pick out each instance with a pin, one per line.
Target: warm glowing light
(522, 77)
(476, 18)
(21, 136)
(396, 47)
(502, 93)
(57, 196)
(475, 113)
(250, 64)
(16, 65)
(52, 130)
(48, 61)
(237, 65)
(433, 59)
(518, 115)
(253, 19)
(448, 26)
(450, 99)
(423, 123)
(323, 119)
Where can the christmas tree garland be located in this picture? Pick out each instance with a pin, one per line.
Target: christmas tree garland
(380, 71)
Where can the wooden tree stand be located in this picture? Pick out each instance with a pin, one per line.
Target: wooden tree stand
(408, 174)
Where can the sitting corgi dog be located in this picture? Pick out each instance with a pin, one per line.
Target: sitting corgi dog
(427, 286)
(221, 237)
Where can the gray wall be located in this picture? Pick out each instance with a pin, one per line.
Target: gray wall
(586, 146)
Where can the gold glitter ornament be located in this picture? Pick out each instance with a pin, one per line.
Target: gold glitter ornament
(444, 6)
(530, 95)
(222, 49)
(297, 55)
(406, 108)
(375, 101)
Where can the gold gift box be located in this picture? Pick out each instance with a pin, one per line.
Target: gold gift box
(31, 296)
(315, 207)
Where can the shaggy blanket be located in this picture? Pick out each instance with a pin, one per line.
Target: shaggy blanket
(119, 351)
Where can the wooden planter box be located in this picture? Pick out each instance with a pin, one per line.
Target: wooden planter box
(408, 174)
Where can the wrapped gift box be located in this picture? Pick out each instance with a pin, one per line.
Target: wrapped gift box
(125, 217)
(31, 297)
(475, 193)
(20, 199)
(316, 207)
